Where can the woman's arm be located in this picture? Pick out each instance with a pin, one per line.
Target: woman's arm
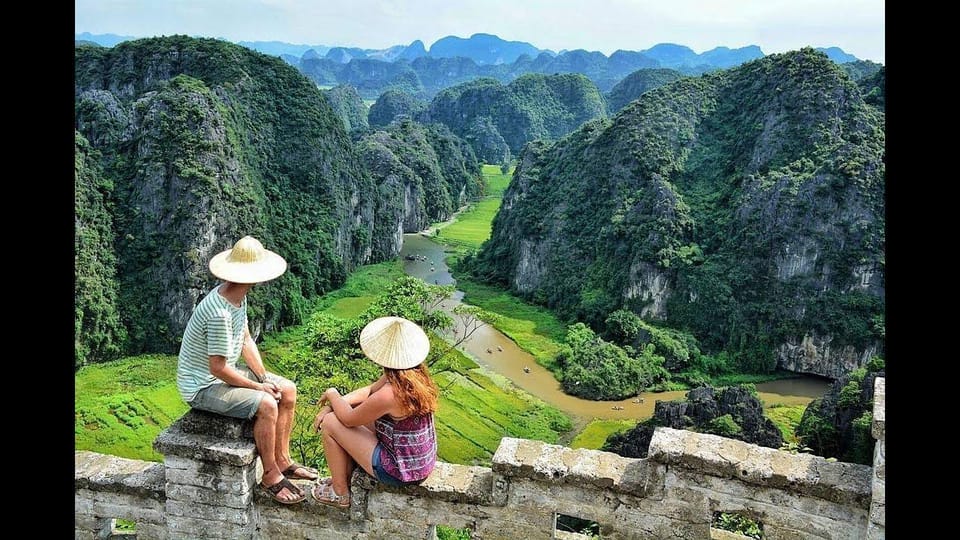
(374, 406)
(360, 395)
(353, 399)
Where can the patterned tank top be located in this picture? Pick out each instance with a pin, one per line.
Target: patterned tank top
(409, 446)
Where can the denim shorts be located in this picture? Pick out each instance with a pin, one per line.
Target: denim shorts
(235, 401)
(382, 475)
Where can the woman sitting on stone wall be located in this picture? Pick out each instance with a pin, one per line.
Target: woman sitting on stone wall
(386, 427)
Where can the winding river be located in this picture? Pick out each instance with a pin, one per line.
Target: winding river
(497, 352)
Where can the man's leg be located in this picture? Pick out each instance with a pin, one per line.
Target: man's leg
(265, 435)
(287, 405)
(345, 447)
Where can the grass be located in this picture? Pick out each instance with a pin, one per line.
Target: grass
(120, 407)
(596, 432)
(479, 407)
(472, 227)
(786, 418)
(534, 328)
(351, 306)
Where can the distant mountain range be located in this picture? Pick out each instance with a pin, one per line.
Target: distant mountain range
(453, 60)
(487, 49)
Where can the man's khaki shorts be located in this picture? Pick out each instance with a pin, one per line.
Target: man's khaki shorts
(221, 398)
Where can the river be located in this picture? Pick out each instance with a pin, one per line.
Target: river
(497, 352)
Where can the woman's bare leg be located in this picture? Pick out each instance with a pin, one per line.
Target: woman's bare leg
(344, 447)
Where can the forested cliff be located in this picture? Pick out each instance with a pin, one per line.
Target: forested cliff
(745, 206)
(185, 145)
(499, 119)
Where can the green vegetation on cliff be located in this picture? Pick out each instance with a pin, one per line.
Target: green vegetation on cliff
(194, 143)
(98, 332)
(422, 173)
(744, 207)
(533, 106)
(394, 104)
(839, 424)
(634, 85)
(205, 142)
(348, 105)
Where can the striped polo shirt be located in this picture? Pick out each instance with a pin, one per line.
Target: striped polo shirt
(215, 328)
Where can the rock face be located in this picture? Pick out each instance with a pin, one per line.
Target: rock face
(703, 406)
(348, 105)
(423, 174)
(394, 104)
(203, 142)
(531, 107)
(635, 84)
(98, 332)
(746, 206)
(839, 423)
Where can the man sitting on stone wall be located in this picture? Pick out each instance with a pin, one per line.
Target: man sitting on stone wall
(208, 377)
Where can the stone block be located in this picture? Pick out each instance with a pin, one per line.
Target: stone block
(558, 464)
(117, 505)
(188, 528)
(878, 504)
(845, 483)
(87, 522)
(215, 425)
(220, 477)
(203, 495)
(102, 472)
(151, 531)
(173, 442)
(879, 427)
(222, 514)
(453, 483)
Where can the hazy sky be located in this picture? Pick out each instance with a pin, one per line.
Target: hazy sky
(856, 26)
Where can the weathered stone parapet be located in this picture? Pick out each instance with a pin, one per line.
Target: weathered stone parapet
(844, 483)
(210, 464)
(107, 488)
(552, 463)
(189, 437)
(879, 426)
(876, 529)
(207, 488)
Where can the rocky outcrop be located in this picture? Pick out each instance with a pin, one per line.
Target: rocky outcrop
(348, 105)
(635, 84)
(392, 105)
(98, 331)
(839, 423)
(531, 107)
(745, 206)
(814, 354)
(423, 174)
(702, 407)
(205, 142)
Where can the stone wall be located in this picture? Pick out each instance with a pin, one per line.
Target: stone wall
(206, 489)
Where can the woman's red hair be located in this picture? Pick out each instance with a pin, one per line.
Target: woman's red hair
(414, 389)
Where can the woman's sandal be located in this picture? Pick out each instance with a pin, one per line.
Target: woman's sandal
(274, 492)
(291, 472)
(324, 494)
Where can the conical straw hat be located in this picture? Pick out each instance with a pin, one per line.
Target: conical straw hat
(247, 262)
(394, 342)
